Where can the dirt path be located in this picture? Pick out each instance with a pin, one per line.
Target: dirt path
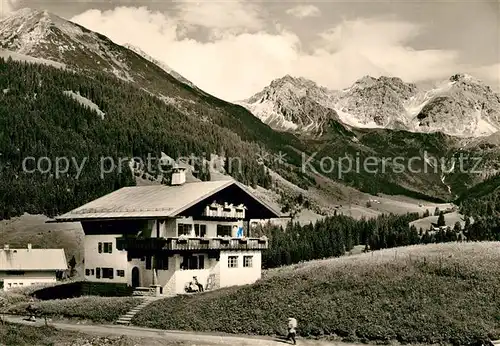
(194, 338)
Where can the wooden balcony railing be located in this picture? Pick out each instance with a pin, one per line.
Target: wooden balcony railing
(176, 244)
(216, 244)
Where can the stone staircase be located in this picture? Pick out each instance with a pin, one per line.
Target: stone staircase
(125, 319)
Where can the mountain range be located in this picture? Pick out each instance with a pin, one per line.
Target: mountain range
(461, 106)
(134, 105)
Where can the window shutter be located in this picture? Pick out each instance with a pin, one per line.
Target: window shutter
(98, 273)
(99, 247)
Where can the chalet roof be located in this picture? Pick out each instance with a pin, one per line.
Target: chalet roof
(32, 259)
(155, 201)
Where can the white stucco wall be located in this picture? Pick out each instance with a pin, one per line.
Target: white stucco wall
(182, 277)
(240, 275)
(116, 259)
(27, 279)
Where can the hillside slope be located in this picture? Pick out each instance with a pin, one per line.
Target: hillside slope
(49, 122)
(440, 293)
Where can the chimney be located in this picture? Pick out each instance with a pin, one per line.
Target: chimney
(29, 246)
(178, 175)
(6, 247)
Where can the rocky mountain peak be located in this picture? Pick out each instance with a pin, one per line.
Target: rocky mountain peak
(460, 106)
(41, 34)
(463, 77)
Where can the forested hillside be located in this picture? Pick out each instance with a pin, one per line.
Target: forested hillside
(37, 119)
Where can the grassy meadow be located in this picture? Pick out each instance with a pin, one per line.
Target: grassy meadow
(438, 293)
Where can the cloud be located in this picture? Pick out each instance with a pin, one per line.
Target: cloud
(235, 15)
(241, 57)
(302, 11)
(7, 6)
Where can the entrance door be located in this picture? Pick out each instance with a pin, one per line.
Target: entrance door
(136, 282)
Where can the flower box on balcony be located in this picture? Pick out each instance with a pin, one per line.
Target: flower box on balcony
(243, 240)
(204, 241)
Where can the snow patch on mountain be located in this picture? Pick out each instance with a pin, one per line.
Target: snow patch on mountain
(6, 54)
(84, 101)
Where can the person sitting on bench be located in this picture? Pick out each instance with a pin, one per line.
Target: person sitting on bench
(197, 283)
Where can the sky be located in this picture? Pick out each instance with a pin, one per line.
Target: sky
(234, 48)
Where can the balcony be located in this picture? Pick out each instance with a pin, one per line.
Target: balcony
(176, 244)
(187, 244)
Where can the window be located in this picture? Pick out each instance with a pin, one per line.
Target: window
(98, 273)
(91, 271)
(105, 247)
(193, 262)
(184, 229)
(107, 273)
(120, 273)
(148, 262)
(223, 230)
(161, 262)
(247, 261)
(200, 230)
(232, 262)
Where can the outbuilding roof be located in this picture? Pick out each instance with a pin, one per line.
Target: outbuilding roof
(32, 259)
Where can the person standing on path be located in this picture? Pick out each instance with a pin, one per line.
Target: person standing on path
(292, 329)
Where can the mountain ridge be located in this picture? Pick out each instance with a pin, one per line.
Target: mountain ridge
(384, 102)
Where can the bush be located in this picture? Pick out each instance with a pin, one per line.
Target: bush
(97, 309)
(8, 299)
(440, 293)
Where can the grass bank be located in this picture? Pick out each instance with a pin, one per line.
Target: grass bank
(97, 309)
(439, 293)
